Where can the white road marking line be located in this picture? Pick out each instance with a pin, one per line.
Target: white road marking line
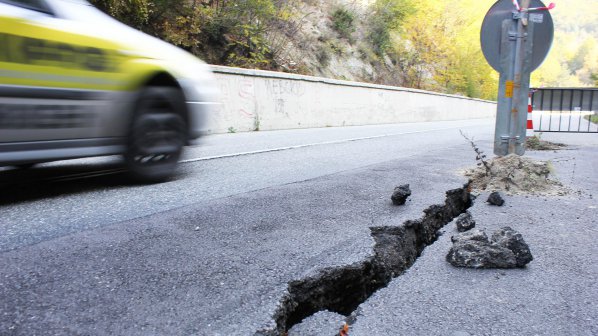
(277, 149)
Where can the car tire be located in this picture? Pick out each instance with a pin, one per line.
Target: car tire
(157, 135)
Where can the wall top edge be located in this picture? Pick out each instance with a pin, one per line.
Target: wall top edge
(283, 75)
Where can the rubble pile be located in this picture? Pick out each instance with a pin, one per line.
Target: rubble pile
(516, 175)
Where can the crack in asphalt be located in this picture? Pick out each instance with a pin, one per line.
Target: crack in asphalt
(343, 289)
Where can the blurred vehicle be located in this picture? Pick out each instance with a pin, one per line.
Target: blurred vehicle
(76, 83)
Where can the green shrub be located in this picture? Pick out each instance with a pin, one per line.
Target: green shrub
(387, 17)
(336, 48)
(135, 13)
(343, 21)
(222, 32)
(323, 56)
(592, 118)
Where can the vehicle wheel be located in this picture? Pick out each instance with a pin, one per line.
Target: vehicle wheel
(157, 134)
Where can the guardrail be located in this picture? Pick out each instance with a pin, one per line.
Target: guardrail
(565, 109)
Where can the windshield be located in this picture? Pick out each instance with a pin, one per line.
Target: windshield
(82, 2)
(78, 10)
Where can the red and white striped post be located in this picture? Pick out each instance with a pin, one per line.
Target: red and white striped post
(530, 121)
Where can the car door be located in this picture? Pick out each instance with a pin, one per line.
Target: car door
(57, 84)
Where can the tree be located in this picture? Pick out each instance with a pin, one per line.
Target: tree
(387, 16)
(132, 12)
(439, 50)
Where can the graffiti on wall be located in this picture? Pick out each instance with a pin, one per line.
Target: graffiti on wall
(282, 90)
(282, 87)
(247, 95)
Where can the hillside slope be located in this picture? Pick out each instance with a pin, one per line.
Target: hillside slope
(424, 44)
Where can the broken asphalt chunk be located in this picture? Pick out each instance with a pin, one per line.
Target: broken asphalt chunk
(465, 222)
(473, 249)
(470, 235)
(400, 194)
(479, 254)
(513, 240)
(495, 199)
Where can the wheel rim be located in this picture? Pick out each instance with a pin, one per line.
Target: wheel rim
(157, 138)
(157, 135)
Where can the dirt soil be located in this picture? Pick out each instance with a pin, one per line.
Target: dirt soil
(516, 175)
(535, 143)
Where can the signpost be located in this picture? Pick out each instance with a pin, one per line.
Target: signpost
(515, 41)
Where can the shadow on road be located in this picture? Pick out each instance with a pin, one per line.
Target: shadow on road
(48, 181)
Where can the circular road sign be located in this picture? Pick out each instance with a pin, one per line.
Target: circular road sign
(492, 29)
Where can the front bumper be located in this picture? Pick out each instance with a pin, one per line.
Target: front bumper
(199, 118)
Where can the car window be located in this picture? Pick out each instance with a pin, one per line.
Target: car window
(38, 5)
(82, 2)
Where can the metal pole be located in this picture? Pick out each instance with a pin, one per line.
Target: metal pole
(505, 88)
(591, 108)
(541, 108)
(515, 60)
(580, 116)
(551, 110)
(515, 143)
(561, 108)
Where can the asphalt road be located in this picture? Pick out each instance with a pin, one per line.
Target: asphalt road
(213, 251)
(554, 295)
(73, 196)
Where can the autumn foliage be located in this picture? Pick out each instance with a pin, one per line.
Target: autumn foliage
(424, 44)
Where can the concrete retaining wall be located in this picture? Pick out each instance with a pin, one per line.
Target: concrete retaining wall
(265, 100)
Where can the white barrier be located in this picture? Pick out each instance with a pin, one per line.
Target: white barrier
(266, 100)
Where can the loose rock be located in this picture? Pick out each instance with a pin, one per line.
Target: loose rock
(513, 240)
(400, 194)
(478, 254)
(496, 199)
(473, 249)
(470, 235)
(465, 222)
